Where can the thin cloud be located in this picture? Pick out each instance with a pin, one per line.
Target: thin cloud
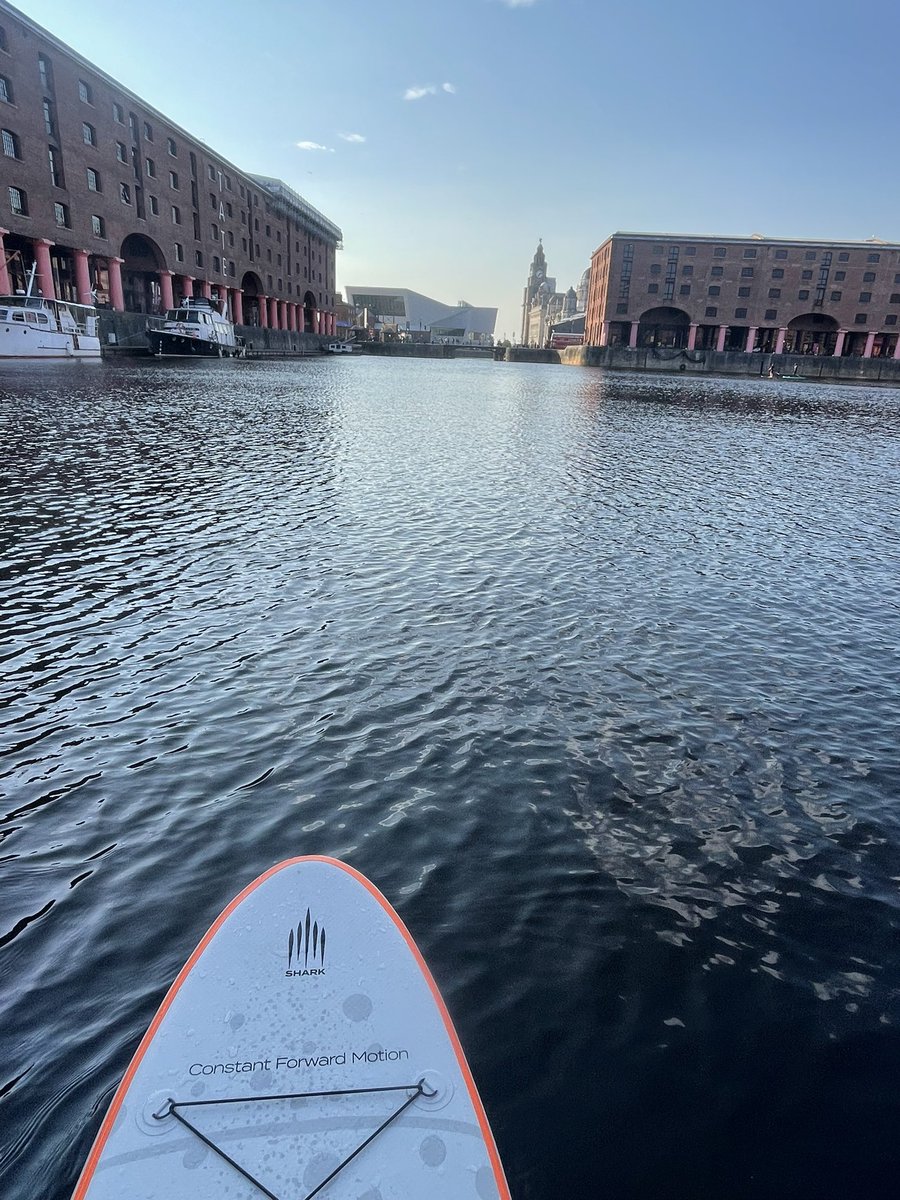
(313, 146)
(352, 137)
(416, 93)
(448, 87)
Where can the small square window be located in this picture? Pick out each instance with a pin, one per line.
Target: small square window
(781, 253)
(620, 308)
(771, 314)
(652, 288)
(895, 298)
(655, 268)
(873, 258)
(745, 271)
(835, 295)
(719, 252)
(810, 256)
(778, 273)
(865, 297)
(84, 91)
(868, 276)
(717, 271)
(688, 270)
(750, 253)
(806, 275)
(97, 226)
(774, 293)
(743, 291)
(840, 276)
(843, 256)
(891, 319)
(715, 290)
(740, 312)
(803, 294)
(684, 290)
(711, 312)
(658, 249)
(860, 319)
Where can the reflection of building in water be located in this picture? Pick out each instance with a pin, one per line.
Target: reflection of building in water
(544, 309)
(753, 293)
(410, 316)
(117, 204)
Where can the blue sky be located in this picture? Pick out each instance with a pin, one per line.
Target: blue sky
(560, 119)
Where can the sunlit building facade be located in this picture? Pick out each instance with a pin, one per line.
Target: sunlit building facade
(768, 294)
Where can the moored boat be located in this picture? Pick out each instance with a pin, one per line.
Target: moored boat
(196, 328)
(33, 327)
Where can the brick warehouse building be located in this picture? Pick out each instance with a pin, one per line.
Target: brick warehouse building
(770, 294)
(118, 205)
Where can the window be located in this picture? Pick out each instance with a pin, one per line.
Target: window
(171, 147)
(118, 113)
(228, 211)
(151, 168)
(46, 72)
(198, 257)
(689, 270)
(843, 256)
(230, 238)
(268, 231)
(176, 215)
(806, 275)
(744, 292)
(810, 256)
(655, 268)
(18, 202)
(269, 252)
(746, 271)
(49, 118)
(242, 192)
(148, 132)
(891, 319)
(88, 134)
(154, 206)
(873, 258)
(121, 152)
(61, 215)
(653, 288)
(803, 294)
(3, 42)
(835, 295)
(227, 179)
(740, 312)
(93, 180)
(173, 180)
(6, 90)
(715, 290)
(56, 175)
(278, 239)
(778, 273)
(840, 276)
(216, 264)
(781, 253)
(211, 172)
(97, 226)
(684, 290)
(278, 259)
(717, 272)
(771, 314)
(690, 250)
(865, 297)
(711, 312)
(897, 278)
(860, 319)
(10, 144)
(124, 193)
(895, 298)
(750, 253)
(719, 252)
(620, 308)
(244, 245)
(213, 202)
(774, 293)
(84, 92)
(179, 252)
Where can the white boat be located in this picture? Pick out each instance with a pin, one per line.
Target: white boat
(196, 328)
(32, 327)
(340, 347)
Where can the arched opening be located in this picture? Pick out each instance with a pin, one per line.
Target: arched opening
(140, 274)
(309, 313)
(812, 333)
(664, 328)
(251, 286)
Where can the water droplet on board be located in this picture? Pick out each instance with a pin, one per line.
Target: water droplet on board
(433, 1151)
(358, 1007)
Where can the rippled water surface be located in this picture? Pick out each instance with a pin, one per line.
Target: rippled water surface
(595, 676)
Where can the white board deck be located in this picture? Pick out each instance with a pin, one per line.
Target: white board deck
(304, 1049)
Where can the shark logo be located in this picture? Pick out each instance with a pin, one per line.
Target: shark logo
(306, 948)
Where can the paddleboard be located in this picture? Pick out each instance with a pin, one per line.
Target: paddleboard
(303, 1050)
